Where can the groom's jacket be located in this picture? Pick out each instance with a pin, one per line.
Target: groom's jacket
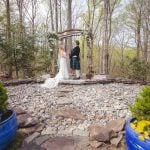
(75, 52)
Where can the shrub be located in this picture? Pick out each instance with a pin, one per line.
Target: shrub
(139, 70)
(3, 99)
(141, 109)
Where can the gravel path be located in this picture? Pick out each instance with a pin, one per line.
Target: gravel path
(91, 104)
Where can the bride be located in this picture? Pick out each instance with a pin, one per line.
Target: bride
(63, 70)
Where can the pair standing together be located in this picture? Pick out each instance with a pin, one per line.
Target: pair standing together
(63, 72)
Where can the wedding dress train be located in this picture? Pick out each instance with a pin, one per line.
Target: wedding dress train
(61, 75)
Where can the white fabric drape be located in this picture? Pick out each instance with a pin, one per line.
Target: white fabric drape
(61, 75)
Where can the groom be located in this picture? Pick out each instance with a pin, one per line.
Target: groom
(75, 59)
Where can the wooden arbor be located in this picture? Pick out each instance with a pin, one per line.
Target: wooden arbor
(89, 38)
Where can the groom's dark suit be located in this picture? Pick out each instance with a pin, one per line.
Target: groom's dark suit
(75, 58)
(76, 52)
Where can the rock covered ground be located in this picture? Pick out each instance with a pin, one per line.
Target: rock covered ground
(69, 110)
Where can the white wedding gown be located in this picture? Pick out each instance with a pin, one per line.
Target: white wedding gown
(61, 75)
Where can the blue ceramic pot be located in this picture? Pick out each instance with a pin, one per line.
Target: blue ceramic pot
(8, 130)
(132, 139)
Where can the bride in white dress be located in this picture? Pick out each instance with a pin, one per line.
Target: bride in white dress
(63, 70)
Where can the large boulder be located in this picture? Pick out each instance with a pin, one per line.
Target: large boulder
(116, 141)
(59, 143)
(26, 121)
(31, 137)
(19, 111)
(95, 144)
(100, 134)
(71, 113)
(116, 125)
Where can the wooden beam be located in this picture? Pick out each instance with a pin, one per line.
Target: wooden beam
(70, 30)
(70, 35)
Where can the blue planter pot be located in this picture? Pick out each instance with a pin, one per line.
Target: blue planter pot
(133, 141)
(8, 129)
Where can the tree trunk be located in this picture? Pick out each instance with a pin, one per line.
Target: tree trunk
(51, 13)
(105, 53)
(146, 31)
(33, 22)
(90, 48)
(69, 25)
(20, 8)
(60, 16)
(146, 39)
(55, 51)
(15, 57)
(56, 15)
(20, 35)
(8, 30)
(139, 36)
(82, 54)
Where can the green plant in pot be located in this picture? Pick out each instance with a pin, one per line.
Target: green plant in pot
(8, 120)
(3, 100)
(138, 128)
(141, 111)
